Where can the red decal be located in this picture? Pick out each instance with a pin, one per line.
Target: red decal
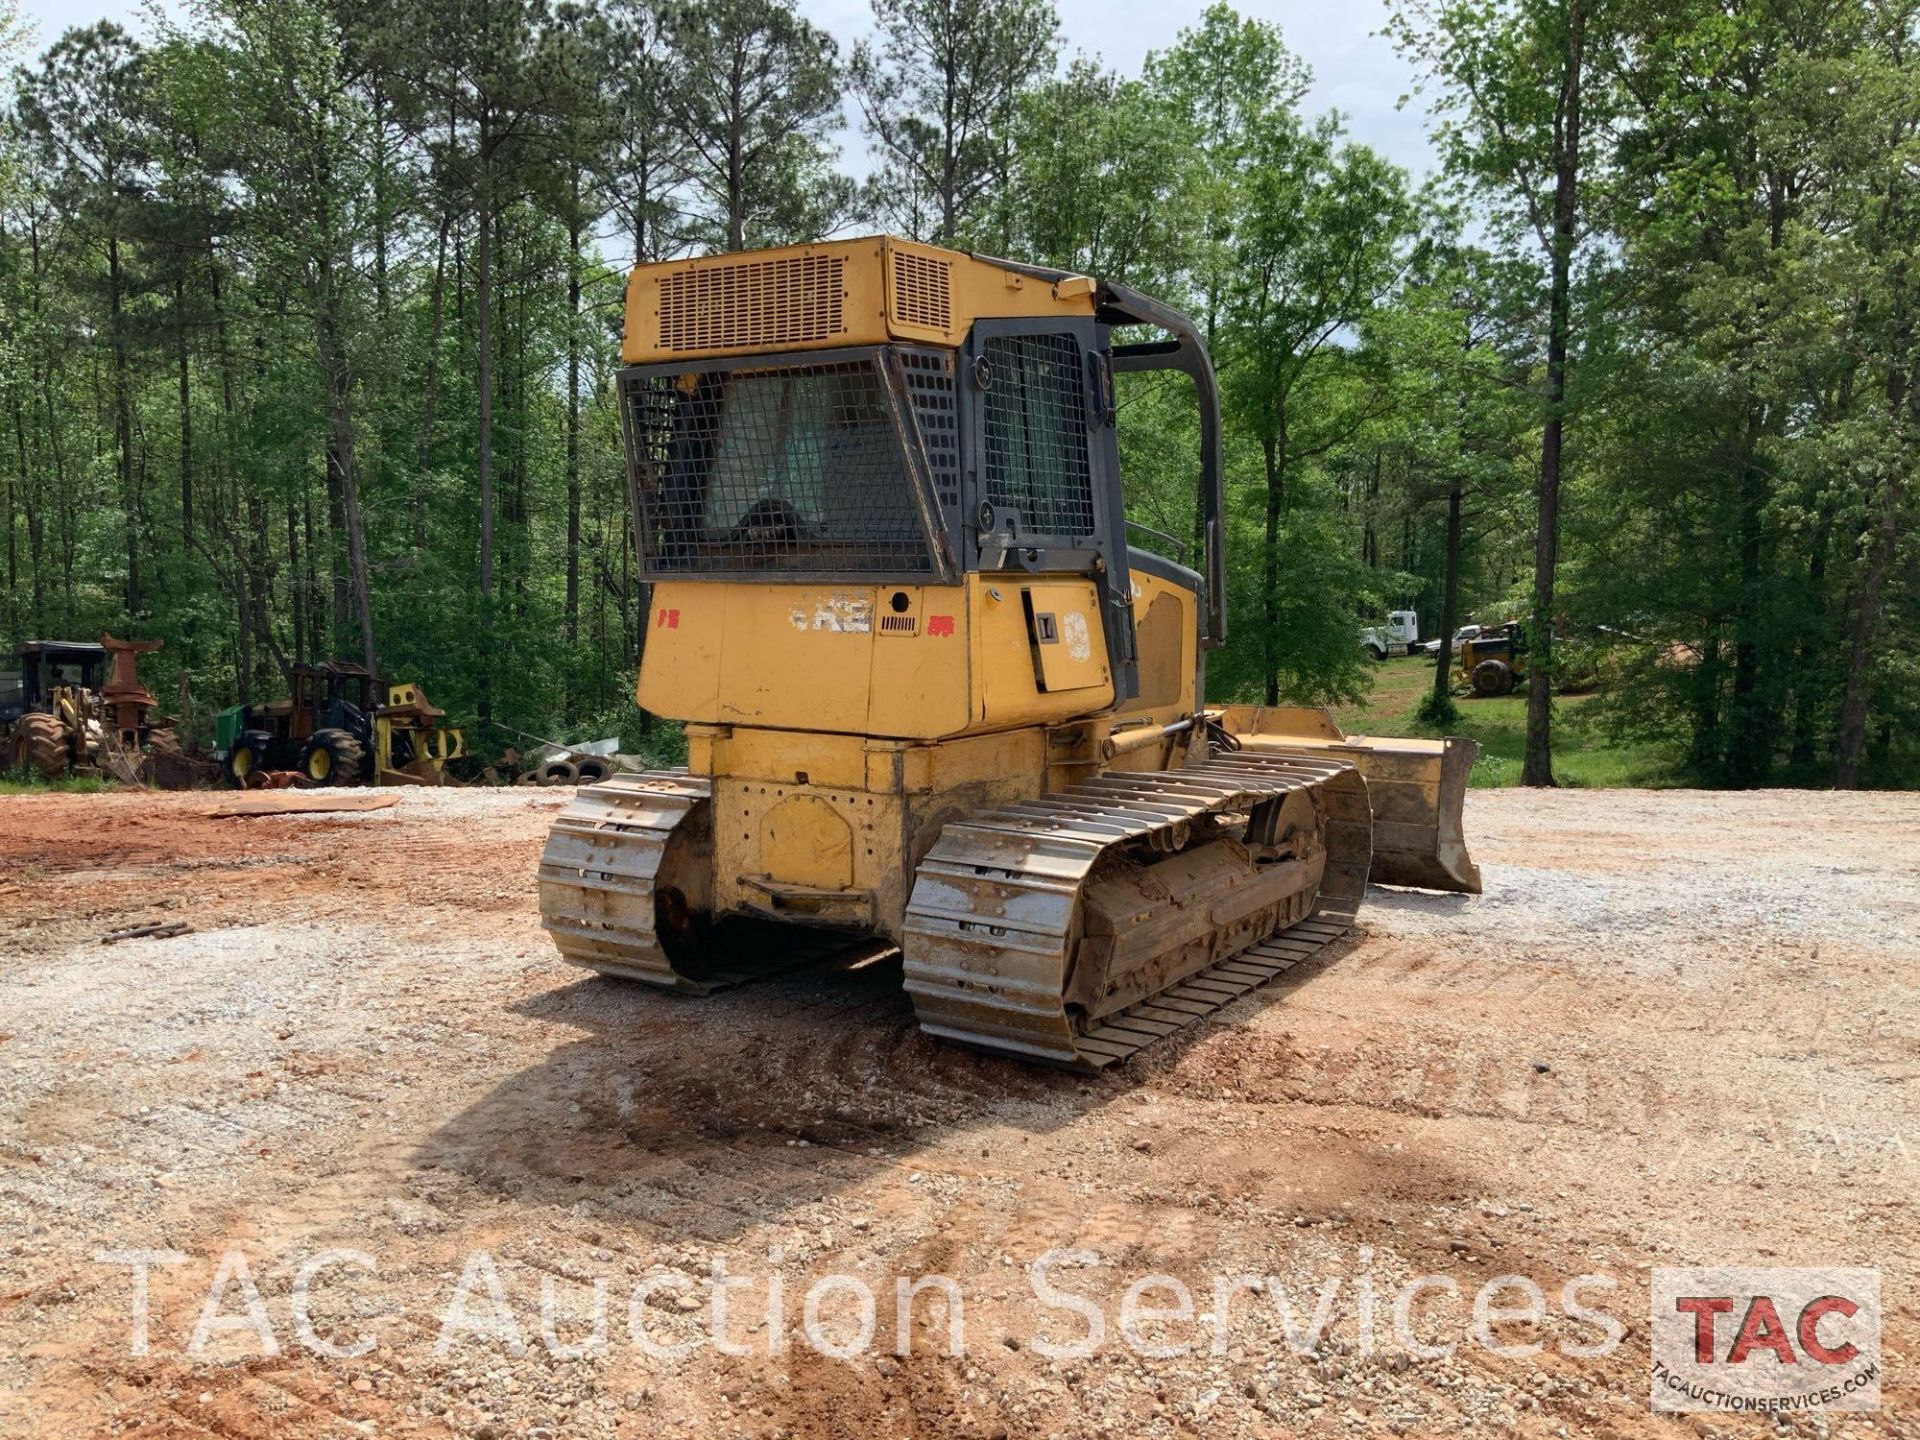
(939, 624)
(669, 619)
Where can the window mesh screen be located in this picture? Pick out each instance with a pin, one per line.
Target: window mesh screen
(798, 468)
(930, 389)
(1036, 418)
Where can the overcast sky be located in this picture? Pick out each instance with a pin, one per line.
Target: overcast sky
(1354, 70)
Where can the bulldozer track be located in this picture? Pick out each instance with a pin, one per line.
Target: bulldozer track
(990, 927)
(598, 896)
(598, 869)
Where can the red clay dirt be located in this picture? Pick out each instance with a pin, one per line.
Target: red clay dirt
(1679, 1029)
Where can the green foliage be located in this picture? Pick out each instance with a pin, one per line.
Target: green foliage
(1437, 713)
(70, 785)
(936, 94)
(759, 93)
(309, 317)
(1585, 752)
(1100, 181)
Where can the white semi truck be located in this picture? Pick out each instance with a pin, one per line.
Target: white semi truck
(1399, 636)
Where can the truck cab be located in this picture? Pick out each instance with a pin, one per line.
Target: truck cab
(1399, 636)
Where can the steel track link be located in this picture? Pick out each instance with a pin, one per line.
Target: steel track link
(598, 869)
(598, 897)
(990, 926)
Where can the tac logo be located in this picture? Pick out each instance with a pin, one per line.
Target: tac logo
(667, 619)
(1765, 1340)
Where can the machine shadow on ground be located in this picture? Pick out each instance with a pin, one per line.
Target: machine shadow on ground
(702, 1118)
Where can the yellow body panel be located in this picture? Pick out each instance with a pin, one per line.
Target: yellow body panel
(839, 745)
(1005, 650)
(843, 659)
(1167, 646)
(838, 292)
(827, 829)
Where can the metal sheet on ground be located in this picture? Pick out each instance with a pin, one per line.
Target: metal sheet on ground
(297, 802)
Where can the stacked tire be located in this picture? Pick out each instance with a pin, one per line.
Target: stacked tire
(587, 770)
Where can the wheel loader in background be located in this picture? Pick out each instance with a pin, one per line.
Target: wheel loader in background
(75, 708)
(931, 694)
(1495, 660)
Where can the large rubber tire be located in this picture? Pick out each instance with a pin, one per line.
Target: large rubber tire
(333, 757)
(163, 740)
(242, 760)
(1492, 678)
(559, 772)
(592, 769)
(40, 747)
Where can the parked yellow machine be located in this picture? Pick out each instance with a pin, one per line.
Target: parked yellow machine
(931, 693)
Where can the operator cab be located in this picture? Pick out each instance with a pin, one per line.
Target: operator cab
(43, 666)
(971, 445)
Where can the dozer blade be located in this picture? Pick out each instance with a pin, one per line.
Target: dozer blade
(1417, 788)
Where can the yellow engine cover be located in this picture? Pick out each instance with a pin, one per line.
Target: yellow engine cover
(908, 662)
(835, 293)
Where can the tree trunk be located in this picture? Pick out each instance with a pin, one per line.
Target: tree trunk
(1449, 595)
(337, 375)
(123, 424)
(1750, 741)
(1703, 754)
(382, 219)
(573, 415)
(1537, 766)
(186, 412)
(339, 404)
(16, 495)
(317, 622)
(1807, 654)
(427, 404)
(250, 559)
(1864, 632)
(338, 607)
(483, 302)
(736, 165)
(296, 597)
(1270, 584)
(949, 211)
(243, 668)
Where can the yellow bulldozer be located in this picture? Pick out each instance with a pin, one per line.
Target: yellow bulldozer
(932, 694)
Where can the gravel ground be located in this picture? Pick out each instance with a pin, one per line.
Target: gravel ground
(1678, 1029)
